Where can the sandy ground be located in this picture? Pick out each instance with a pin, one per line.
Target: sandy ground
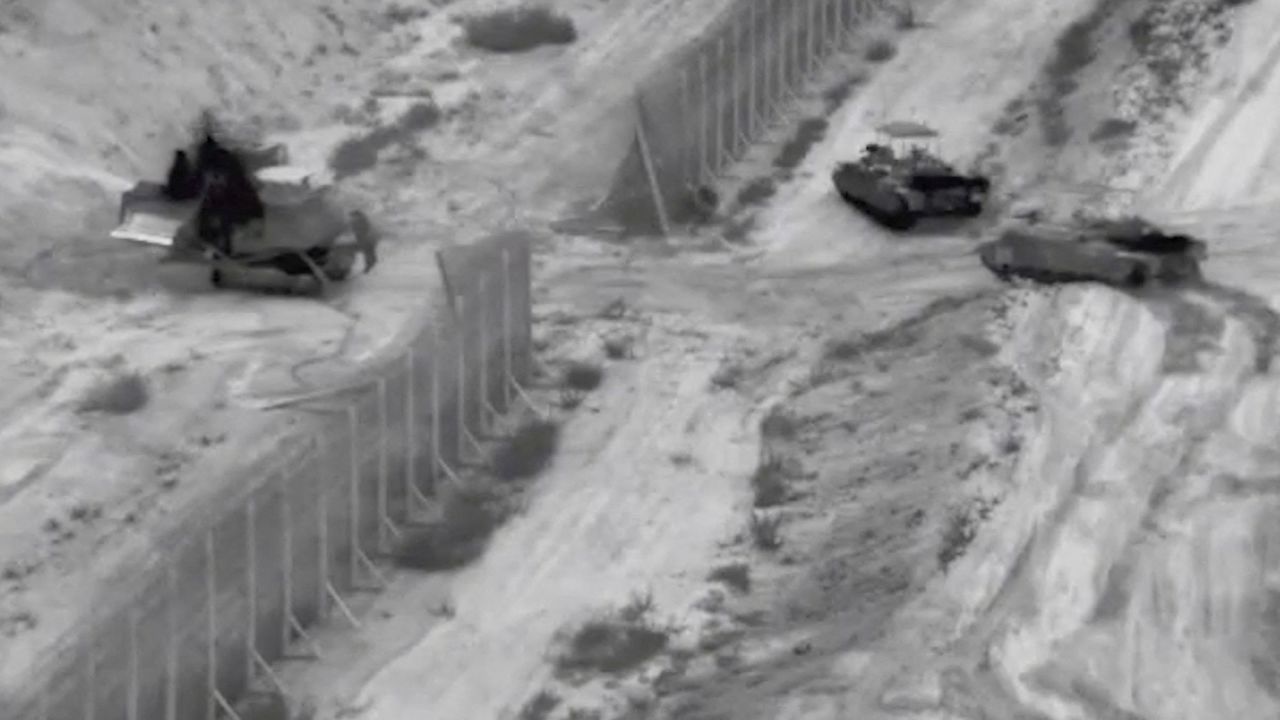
(1012, 502)
(1025, 502)
(86, 499)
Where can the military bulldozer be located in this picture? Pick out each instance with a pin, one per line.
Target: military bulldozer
(249, 216)
(1127, 253)
(897, 186)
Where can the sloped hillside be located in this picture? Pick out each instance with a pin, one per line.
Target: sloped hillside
(96, 94)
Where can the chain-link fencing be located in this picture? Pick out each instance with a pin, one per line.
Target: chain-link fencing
(700, 112)
(292, 547)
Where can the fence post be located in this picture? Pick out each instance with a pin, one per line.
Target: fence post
(508, 376)
(781, 56)
(767, 51)
(286, 562)
(211, 628)
(485, 307)
(753, 119)
(687, 144)
(411, 489)
(735, 80)
(435, 405)
(796, 48)
(171, 643)
(90, 676)
(353, 495)
(322, 539)
(251, 587)
(461, 391)
(134, 664)
(651, 174)
(811, 37)
(704, 141)
(44, 702)
(842, 28)
(384, 516)
(717, 165)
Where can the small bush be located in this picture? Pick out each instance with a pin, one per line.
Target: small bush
(1113, 128)
(796, 149)
(757, 191)
(779, 424)
(528, 451)
(583, 377)
(736, 576)
(615, 643)
(769, 483)
(960, 531)
(121, 395)
(907, 19)
(620, 346)
(461, 535)
(400, 14)
(360, 153)
(540, 706)
(728, 374)
(515, 30)
(836, 95)
(766, 531)
(881, 50)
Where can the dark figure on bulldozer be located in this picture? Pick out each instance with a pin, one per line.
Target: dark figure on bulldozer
(244, 211)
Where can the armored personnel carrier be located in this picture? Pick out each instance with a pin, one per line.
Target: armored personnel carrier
(896, 187)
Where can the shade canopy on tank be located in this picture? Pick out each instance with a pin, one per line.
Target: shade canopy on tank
(903, 129)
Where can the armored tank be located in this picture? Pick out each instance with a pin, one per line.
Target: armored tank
(1127, 253)
(896, 187)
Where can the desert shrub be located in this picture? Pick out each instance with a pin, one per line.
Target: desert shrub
(766, 531)
(728, 374)
(360, 152)
(620, 346)
(779, 423)
(614, 642)
(399, 14)
(121, 395)
(528, 451)
(540, 706)
(1073, 51)
(583, 376)
(907, 19)
(519, 29)
(959, 532)
(736, 576)
(796, 149)
(769, 483)
(757, 191)
(881, 50)
(461, 534)
(1113, 128)
(836, 95)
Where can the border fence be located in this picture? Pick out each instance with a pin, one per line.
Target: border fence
(291, 547)
(295, 544)
(701, 112)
